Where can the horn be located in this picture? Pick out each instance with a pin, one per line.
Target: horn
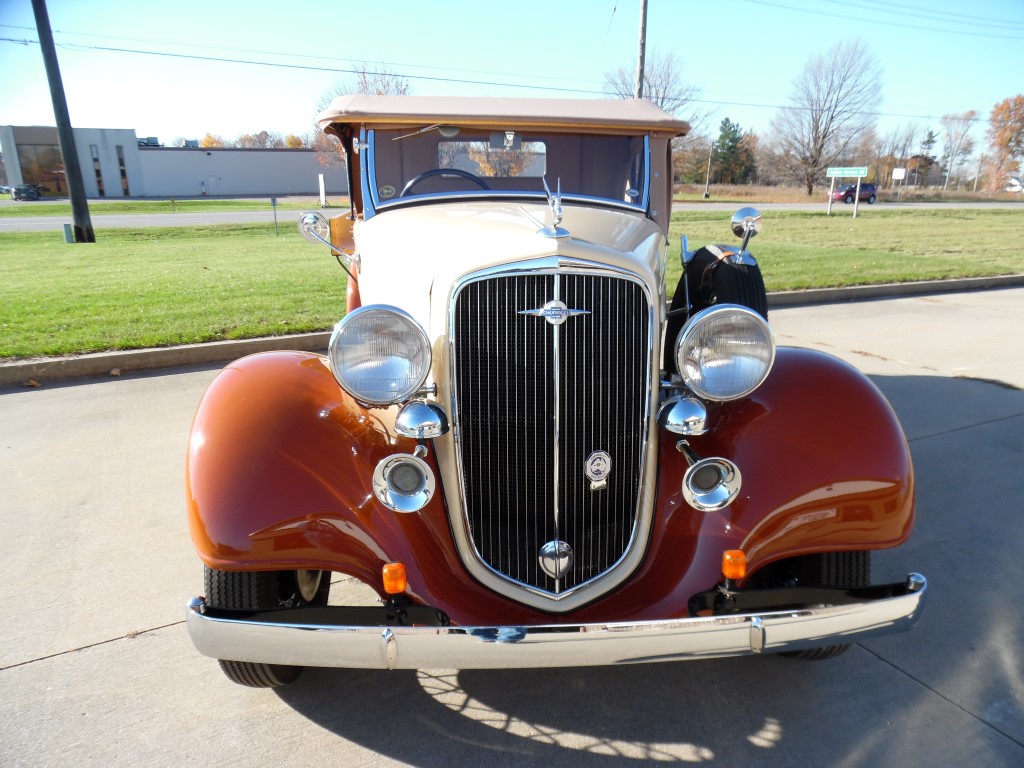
(709, 484)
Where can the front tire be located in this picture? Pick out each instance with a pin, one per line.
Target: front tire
(827, 569)
(263, 590)
(871, 200)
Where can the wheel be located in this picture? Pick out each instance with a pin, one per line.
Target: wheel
(848, 199)
(871, 200)
(444, 172)
(711, 281)
(828, 569)
(263, 590)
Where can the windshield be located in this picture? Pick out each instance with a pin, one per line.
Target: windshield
(457, 161)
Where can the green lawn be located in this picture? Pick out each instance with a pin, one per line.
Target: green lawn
(156, 287)
(799, 250)
(207, 205)
(163, 286)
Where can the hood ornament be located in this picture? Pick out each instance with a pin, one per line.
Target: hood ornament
(555, 312)
(555, 204)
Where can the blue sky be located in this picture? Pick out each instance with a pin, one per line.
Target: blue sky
(938, 56)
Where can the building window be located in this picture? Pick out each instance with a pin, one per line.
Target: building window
(95, 152)
(41, 164)
(124, 171)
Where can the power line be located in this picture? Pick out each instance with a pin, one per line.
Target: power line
(460, 81)
(285, 54)
(861, 19)
(957, 18)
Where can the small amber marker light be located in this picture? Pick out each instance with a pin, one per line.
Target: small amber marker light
(394, 578)
(734, 564)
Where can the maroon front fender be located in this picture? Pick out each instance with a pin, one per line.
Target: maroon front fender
(280, 463)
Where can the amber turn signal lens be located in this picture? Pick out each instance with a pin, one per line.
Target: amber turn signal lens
(734, 564)
(394, 578)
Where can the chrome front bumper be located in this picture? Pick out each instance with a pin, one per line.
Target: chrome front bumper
(551, 645)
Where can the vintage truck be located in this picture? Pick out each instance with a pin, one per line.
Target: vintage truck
(531, 449)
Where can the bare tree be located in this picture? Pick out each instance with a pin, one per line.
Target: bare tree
(664, 85)
(957, 145)
(378, 79)
(834, 101)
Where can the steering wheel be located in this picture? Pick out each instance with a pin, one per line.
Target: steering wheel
(447, 172)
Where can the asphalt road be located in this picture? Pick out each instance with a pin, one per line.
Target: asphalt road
(96, 668)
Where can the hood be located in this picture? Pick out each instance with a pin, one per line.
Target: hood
(410, 257)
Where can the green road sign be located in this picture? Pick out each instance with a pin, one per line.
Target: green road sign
(848, 172)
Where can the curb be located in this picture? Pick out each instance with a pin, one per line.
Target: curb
(31, 372)
(891, 290)
(34, 371)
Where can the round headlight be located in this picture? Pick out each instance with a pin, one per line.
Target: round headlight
(725, 352)
(379, 355)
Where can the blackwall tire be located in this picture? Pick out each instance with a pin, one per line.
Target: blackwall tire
(263, 590)
(832, 569)
(871, 200)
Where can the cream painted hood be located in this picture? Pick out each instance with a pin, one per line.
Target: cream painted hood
(411, 257)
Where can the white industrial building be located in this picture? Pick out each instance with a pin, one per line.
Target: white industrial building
(116, 164)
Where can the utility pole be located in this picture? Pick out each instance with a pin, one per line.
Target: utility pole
(639, 90)
(66, 137)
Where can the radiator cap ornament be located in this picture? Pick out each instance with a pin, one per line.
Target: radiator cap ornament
(556, 558)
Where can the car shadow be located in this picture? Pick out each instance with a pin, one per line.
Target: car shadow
(954, 682)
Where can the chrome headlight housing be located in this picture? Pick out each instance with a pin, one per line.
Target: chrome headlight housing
(379, 355)
(725, 352)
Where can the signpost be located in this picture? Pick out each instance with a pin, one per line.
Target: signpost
(898, 174)
(858, 172)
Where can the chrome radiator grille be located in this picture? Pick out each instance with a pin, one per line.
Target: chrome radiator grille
(535, 398)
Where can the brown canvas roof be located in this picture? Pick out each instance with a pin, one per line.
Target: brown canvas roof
(598, 115)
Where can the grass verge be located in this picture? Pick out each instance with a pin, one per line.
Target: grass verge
(138, 288)
(799, 250)
(205, 205)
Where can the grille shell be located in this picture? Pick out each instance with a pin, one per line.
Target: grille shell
(532, 400)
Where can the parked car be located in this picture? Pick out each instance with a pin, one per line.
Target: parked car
(25, 192)
(530, 455)
(847, 192)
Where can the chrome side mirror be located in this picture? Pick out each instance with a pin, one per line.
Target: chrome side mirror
(746, 223)
(314, 228)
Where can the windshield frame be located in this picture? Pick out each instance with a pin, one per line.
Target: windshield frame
(373, 203)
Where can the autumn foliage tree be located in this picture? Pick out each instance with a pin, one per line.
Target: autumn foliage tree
(1006, 139)
(211, 141)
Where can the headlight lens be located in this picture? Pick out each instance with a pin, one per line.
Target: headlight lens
(379, 355)
(725, 352)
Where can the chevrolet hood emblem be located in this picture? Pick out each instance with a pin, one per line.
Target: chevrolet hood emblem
(555, 312)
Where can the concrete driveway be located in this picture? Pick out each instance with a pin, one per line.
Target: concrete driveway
(96, 668)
